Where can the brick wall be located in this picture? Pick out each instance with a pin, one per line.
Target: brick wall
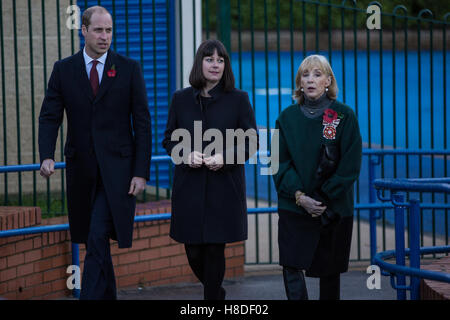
(436, 290)
(34, 266)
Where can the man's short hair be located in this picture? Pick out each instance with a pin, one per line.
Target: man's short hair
(87, 14)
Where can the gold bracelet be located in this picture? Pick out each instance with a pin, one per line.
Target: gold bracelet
(298, 194)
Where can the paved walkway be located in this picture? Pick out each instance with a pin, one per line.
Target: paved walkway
(265, 283)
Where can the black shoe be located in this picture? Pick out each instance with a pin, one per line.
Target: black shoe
(214, 295)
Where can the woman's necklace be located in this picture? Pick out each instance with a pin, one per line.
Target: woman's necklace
(312, 107)
(310, 110)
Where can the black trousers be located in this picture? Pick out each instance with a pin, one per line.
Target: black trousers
(207, 261)
(295, 285)
(330, 287)
(98, 282)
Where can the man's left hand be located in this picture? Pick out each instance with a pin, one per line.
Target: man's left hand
(137, 185)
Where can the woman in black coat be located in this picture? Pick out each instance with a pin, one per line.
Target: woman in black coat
(209, 206)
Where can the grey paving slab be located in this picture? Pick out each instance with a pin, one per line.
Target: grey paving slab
(266, 285)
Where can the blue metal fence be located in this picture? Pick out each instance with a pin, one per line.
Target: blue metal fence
(399, 271)
(434, 211)
(64, 227)
(144, 31)
(75, 246)
(397, 106)
(398, 204)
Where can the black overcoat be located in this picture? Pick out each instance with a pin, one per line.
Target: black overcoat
(110, 132)
(210, 206)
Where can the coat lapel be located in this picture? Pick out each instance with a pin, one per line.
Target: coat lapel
(107, 81)
(82, 77)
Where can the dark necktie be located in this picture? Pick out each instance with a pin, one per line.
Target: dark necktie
(93, 77)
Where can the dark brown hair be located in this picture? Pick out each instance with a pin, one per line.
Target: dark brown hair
(206, 49)
(87, 14)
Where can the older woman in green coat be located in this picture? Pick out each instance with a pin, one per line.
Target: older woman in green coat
(319, 160)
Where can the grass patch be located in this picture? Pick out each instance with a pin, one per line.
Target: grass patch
(54, 204)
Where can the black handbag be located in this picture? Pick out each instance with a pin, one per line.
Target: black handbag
(328, 163)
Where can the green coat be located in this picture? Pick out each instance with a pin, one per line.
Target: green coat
(302, 240)
(300, 140)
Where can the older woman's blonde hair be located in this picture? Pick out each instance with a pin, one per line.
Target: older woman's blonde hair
(309, 63)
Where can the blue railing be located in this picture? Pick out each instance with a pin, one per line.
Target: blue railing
(65, 226)
(374, 161)
(60, 165)
(399, 270)
(375, 156)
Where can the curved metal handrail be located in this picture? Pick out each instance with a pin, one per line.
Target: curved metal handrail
(399, 270)
(409, 271)
(422, 184)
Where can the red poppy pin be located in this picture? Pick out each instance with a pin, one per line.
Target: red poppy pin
(329, 115)
(330, 122)
(112, 72)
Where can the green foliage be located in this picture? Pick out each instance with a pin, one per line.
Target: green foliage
(272, 14)
(52, 206)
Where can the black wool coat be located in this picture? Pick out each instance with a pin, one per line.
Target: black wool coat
(210, 206)
(109, 132)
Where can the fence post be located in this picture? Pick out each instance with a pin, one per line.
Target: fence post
(398, 201)
(414, 233)
(223, 23)
(372, 214)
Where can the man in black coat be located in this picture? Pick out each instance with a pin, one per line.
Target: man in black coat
(108, 146)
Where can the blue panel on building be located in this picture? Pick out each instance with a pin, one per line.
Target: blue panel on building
(134, 24)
